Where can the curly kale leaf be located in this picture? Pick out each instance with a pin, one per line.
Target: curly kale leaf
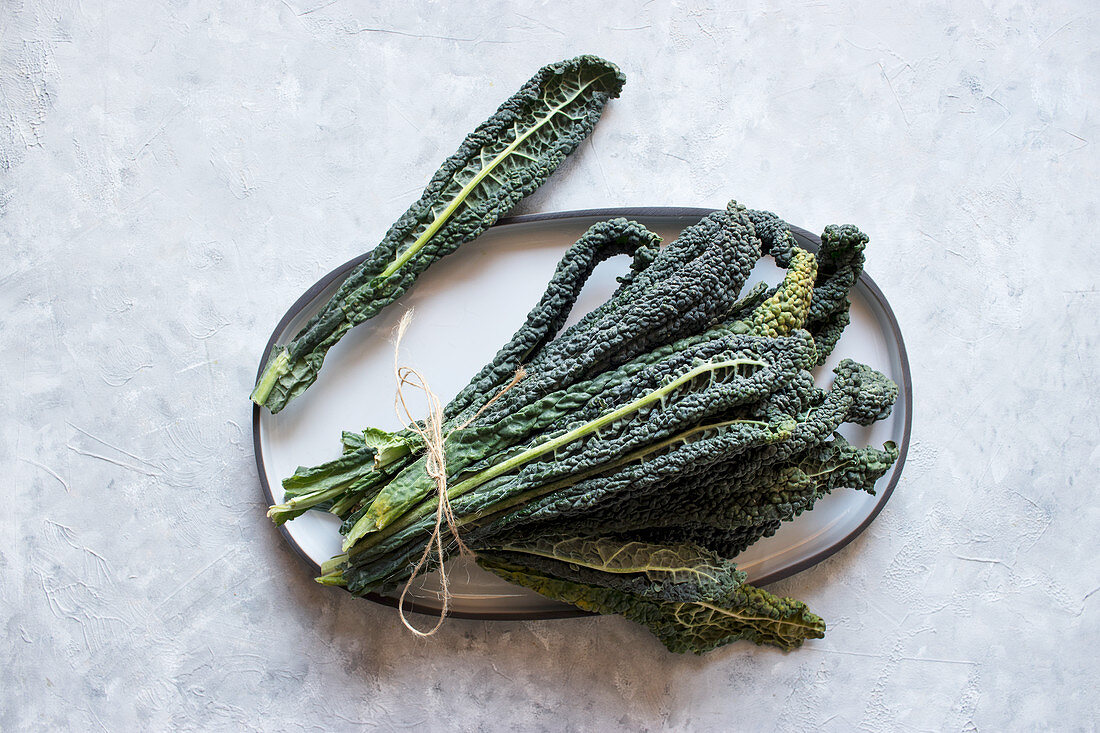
(840, 262)
(668, 572)
(787, 308)
(726, 512)
(839, 265)
(602, 241)
(697, 625)
(503, 160)
(689, 287)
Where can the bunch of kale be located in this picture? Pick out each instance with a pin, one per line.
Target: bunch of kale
(645, 446)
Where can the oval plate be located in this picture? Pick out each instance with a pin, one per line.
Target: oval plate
(466, 307)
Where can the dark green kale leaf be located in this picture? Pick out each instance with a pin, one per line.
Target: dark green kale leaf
(698, 625)
(506, 158)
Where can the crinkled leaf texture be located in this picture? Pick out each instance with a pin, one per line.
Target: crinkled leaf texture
(699, 626)
(662, 572)
(506, 158)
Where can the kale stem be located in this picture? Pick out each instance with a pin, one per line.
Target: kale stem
(275, 368)
(346, 504)
(335, 578)
(827, 471)
(291, 508)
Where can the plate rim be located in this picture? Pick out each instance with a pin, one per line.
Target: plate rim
(671, 212)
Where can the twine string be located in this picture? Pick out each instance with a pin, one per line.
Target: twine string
(431, 432)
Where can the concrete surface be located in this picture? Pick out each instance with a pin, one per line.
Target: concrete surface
(173, 175)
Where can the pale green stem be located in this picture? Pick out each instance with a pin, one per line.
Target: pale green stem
(272, 372)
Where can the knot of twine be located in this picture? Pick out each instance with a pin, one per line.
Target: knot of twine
(431, 432)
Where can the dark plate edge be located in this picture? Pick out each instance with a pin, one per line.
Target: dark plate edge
(635, 211)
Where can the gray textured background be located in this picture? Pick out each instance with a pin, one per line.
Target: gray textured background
(172, 178)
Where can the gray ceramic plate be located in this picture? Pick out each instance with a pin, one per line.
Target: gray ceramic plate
(470, 303)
